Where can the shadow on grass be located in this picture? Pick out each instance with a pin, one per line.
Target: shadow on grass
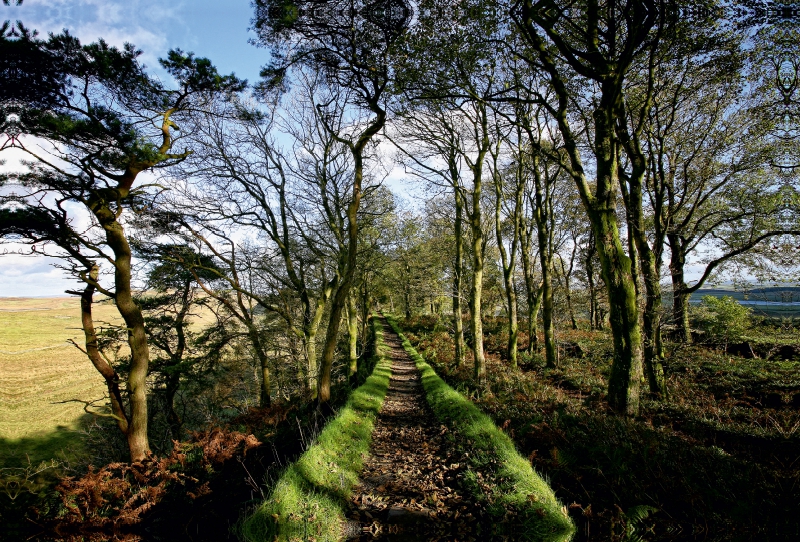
(613, 467)
(64, 443)
(711, 463)
(30, 467)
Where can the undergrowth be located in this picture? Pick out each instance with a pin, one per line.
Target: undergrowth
(197, 489)
(308, 501)
(717, 458)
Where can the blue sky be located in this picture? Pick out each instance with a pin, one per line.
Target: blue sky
(213, 29)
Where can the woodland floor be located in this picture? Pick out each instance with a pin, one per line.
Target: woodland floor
(412, 486)
(718, 460)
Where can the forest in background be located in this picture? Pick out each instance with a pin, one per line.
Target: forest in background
(576, 160)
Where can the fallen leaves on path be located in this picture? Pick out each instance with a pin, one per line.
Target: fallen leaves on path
(412, 485)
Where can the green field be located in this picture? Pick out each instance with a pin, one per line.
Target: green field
(39, 369)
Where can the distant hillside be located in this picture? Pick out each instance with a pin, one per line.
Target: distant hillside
(766, 301)
(39, 371)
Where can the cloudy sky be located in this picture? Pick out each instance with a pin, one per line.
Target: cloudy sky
(216, 29)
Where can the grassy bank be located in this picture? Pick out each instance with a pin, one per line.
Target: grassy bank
(309, 499)
(516, 486)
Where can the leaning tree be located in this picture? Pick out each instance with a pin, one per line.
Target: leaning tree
(102, 122)
(351, 43)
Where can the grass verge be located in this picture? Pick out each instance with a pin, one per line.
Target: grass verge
(517, 486)
(308, 501)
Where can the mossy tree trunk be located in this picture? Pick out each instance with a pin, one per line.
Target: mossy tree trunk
(626, 371)
(508, 258)
(476, 286)
(561, 58)
(475, 217)
(352, 335)
(680, 293)
(458, 272)
(343, 289)
(632, 185)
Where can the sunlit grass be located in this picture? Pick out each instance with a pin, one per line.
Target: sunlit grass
(309, 499)
(40, 373)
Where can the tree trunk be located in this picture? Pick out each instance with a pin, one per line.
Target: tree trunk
(567, 276)
(543, 216)
(600, 200)
(352, 335)
(458, 271)
(551, 357)
(475, 214)
(533, 292)
(513, 324)
(312, 317)
(340, 297)
(509, 259)
(103, 367)
(626, 370)
(594, 312)
(310, 347)
(534, 306)
(476, 289)
(364, 308)
(680, 294)
(173, 419)
(263, 363)
(653, 347)
(649, 263)
(138, 443)
(648, 267)
(407, 293)
(337, 308)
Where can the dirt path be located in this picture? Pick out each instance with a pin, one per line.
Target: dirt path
(412, 484)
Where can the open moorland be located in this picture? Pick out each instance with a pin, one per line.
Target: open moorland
(41, 376)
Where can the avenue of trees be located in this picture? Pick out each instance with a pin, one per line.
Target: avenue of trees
(574, 156)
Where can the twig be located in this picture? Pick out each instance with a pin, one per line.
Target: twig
(87, 405)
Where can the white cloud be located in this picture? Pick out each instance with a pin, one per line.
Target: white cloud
(145, 24)
(25, 276)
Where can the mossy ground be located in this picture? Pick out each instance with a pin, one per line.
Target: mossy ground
(512, 485)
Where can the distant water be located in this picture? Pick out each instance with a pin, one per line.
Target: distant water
(758, 302)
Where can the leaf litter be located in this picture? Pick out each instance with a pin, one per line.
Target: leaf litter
(413, 486)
